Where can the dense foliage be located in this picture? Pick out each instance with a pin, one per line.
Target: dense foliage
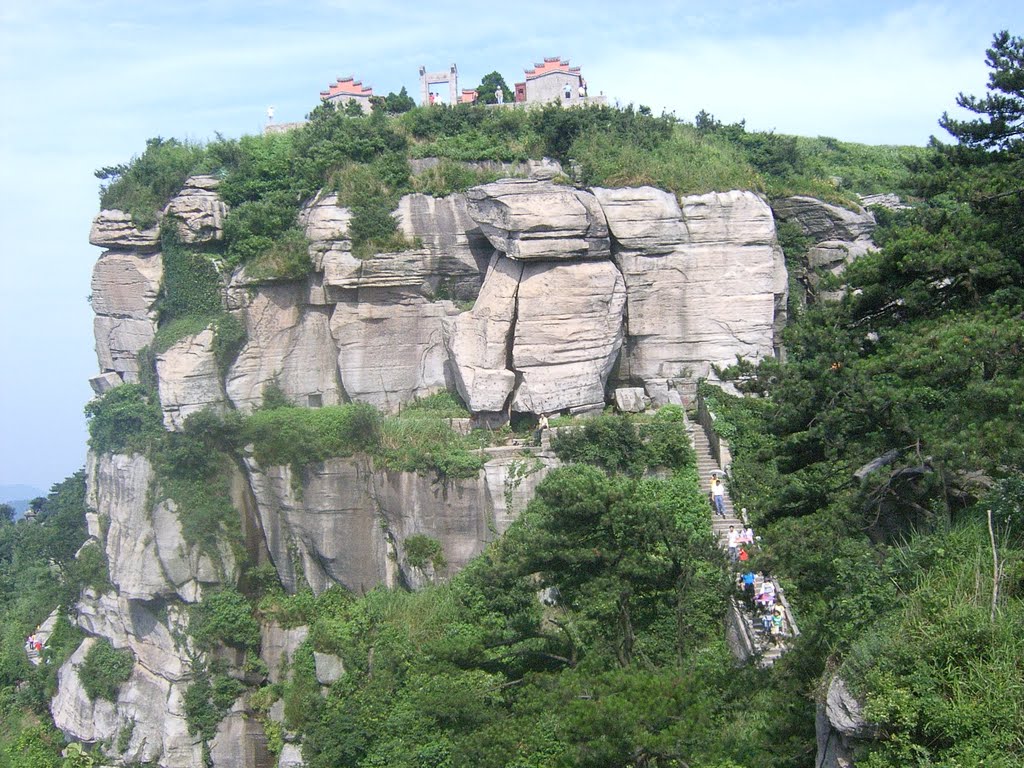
(873, 457)
(104, 669)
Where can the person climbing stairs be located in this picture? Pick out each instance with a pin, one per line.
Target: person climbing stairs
(755, 638)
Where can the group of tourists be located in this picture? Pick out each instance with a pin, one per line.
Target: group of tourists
(759, 589)
(762, 599)
(34, 643)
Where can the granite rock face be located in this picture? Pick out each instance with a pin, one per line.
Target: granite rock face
(390, 347)
(531, 219)
(124, 292)
(289, 345)
(115, 230)
(349, 524)
(702, 286)
(188, 379)
(198, 211)
(567, 335)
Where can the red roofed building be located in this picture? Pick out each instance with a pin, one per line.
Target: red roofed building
(347, 89)
(551, 80)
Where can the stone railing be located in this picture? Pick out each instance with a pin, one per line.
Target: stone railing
(719, 446)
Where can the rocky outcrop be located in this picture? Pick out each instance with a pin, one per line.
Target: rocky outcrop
(531, 219)
(146, 550)
(240, 741)
(124, 292)
(479, 340)
(116, 230)
(704, 284)
(198, 211)
(188, 379)
(390, 347)
(838, 236)
(350, 522)
(289, 345)
(840, 726)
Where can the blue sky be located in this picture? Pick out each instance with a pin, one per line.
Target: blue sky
(84, 84)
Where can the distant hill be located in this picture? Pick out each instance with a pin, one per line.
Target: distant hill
(18, 496)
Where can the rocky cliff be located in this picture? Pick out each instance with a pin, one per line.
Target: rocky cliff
(522, 295)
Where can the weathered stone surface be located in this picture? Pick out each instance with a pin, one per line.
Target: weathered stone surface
(567, 335)
(147, 553)
(845, 713)
(291, 757)
(240, 742)
(631, 400)
(702, 300)
(188, 379)
(822, 221)
(184, 565)
(115, 229)
(458, 249)
(531, 219)
(478, 341)
(643, 218)
(324, 221)
(278, 646)
(198, 210)
(131, 624)
(390, 347)
(148, 707)
(349, 522)
(329, 668)
(839, 725)
(117, 487)
(105, 382)
(835, 255)
(289, 343)
(74, 713)
(124, 291)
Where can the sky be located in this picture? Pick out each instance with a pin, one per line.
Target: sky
(84, 84)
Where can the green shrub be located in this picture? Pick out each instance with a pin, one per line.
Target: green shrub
(224, 617)
(450, 176)
(229, 338)
(104, 670)
(207, 701)
(126, 419)
(143, 186)
(191, 283)
(421, 549)
(300, 436)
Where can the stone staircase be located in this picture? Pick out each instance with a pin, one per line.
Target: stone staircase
(43, 632)
(750, 636)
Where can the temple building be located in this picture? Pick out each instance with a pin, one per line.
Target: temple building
(347, 89)
(552, 80)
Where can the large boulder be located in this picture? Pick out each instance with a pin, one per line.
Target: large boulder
(198, 211)
(390, 347)
(188, 379)
(822, 221)
(532, 219)
(840, 726)
(124, 292)
(289, 344)
(702, 290)
(478, 341)
(567, 335)
(115, 229)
